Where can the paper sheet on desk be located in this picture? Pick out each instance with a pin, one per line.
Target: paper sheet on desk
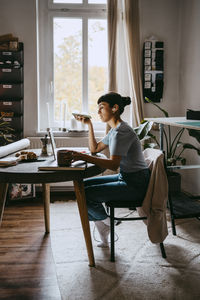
(14, 147)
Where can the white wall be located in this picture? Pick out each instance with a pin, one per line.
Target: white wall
(161, 18)
(190, 55)
(177, 23)
(189, 84)
(19, 18)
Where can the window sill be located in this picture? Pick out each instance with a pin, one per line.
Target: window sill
(73, 134)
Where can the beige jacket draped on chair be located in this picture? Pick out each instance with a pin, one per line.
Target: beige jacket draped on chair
(155, 201)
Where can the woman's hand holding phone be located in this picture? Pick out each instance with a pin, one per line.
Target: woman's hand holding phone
(85, 119)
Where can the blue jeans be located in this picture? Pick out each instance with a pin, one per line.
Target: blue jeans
(122, 186)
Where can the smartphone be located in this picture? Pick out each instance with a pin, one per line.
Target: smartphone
(81, 115)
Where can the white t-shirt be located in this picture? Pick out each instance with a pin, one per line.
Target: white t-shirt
(123, 141)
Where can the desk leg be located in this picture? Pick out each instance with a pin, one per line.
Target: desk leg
(46, 201)
(80, 196)
(3, 193)
(161, 126)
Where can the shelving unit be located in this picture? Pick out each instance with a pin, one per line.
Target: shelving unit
(153, 69)
(183, 207)
(12, 92)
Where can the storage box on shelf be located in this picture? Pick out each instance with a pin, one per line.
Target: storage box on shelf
(12, 91)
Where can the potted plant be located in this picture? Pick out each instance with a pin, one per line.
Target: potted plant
(174, 147)
(6, 132)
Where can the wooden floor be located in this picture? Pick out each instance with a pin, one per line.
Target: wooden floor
(27, 269)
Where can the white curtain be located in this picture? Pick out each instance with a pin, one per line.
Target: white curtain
(123, 18)
(112, 8)
(131, 26)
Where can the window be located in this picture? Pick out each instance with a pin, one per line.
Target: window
(72, 59)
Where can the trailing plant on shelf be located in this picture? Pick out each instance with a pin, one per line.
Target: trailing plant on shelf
(174, 147)
(6, 132)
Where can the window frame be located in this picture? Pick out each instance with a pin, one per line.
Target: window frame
(83, 11)
(76, 6)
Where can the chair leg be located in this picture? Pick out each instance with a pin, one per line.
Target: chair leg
(112, 235)
(162, 248)
(107, 210)
(173, 226)
(171, 214)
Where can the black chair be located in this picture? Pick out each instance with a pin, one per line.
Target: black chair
(111, 205)
(155, 160)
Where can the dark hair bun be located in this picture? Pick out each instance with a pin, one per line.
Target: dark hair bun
(126, 100)
(113, 98)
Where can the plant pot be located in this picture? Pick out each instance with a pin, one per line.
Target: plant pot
(174, 181)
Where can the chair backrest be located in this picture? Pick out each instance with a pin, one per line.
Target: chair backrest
(154, 204)
(151, 156)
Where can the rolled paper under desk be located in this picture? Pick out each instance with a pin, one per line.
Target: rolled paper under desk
(14, 147)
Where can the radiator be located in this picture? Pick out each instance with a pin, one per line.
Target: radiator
(61, 142)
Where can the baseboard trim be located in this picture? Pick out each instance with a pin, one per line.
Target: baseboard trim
(57, 189)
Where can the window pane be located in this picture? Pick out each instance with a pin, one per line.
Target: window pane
(67, 1)
(97, 63)
(97, 1)
(67, 66)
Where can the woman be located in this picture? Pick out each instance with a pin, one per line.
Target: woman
(125, 152)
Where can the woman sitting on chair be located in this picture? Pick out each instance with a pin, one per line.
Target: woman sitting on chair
(125, 152)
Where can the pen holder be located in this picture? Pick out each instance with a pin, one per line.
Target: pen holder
(64, 158)
(46, 146)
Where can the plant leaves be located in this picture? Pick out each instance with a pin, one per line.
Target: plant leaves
(182, 160)
(143, 129)
(153, 137)
(150, 145)
(194, 133)
(171, 161)
(190, 146)
(163, 111)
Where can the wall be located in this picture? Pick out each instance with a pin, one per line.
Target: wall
(189, 80)
(177, 23)
(19, 18)
(161, 18)
(190, 55)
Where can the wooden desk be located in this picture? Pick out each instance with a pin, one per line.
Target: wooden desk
(28, 173)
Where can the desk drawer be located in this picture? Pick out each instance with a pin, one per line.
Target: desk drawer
(8, 75)
(12, 106)
(15, 122)
(11, 91)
